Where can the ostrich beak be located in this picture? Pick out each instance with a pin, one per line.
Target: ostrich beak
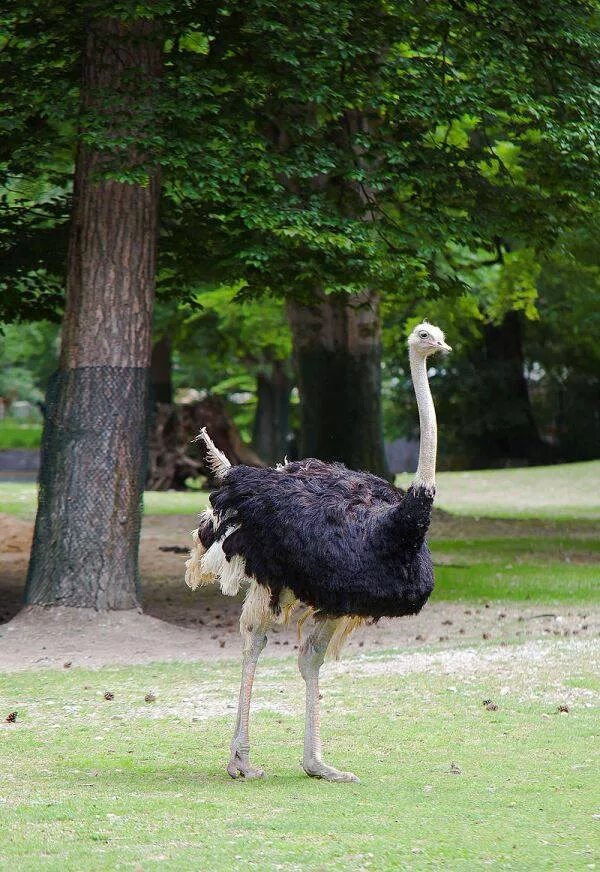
(443, 346)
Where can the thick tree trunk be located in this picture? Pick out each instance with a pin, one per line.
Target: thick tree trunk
(272, 419)
(510, 431)
(85, 550)
(161, 372)
(337, 346)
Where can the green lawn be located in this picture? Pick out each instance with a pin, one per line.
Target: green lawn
(19, 498)
(537, 570)
(91, 784)
(19, 435)
(570, 491)
(567, 491)
(546, 583)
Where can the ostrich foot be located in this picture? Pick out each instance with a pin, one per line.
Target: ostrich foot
(318, 769)
(239, 764)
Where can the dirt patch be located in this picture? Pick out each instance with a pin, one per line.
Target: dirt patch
(16, 535)
(179, 624)
(42, 637)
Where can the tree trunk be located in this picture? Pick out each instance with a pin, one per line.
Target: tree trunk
(337, 346)
(271, 422)
(161, 372)
(85, 550)
(510, 431)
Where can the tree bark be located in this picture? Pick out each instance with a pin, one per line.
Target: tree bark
(85, 550)
(272, 419)
(337, 346)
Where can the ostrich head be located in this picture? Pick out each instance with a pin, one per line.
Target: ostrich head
(426, 339)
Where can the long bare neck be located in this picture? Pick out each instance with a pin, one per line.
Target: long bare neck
(425, 475)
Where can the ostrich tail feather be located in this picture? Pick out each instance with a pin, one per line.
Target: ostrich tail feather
(217, 461)
(405, 525)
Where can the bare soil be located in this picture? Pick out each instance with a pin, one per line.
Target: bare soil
(178, 624)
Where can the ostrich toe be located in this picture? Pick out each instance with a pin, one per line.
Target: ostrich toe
(318, 769)
(239, 765)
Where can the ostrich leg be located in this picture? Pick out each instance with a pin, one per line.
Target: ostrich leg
(310, 660)
(255, 620)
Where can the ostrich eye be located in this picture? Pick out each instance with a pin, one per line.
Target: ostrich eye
(423, 334)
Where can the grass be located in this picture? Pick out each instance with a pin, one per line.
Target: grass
(90, 784)
(175, 502)
(15, 435)
(20, 498)
(537, 570)
(566, 491)
(547, 583)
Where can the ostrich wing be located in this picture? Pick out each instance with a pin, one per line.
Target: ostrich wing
(341, 540)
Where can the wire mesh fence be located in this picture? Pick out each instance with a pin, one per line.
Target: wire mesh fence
(93, 465)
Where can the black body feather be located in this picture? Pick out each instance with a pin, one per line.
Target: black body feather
(346, 543)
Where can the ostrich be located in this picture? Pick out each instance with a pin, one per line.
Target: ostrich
(347, 544)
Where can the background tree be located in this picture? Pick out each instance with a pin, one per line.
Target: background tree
(312, 149)
(550, 413)
(247, 345)
(87, 526)
(376, 142)
(229, 363)
(562, 352)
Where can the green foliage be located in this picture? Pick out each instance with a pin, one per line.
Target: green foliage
(327, 144)
(554, 291)
(342, 175)
(253, 334)
(433, 152)
(222, 344)
(28, 356)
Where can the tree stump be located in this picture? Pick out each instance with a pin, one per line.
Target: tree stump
(174, 456)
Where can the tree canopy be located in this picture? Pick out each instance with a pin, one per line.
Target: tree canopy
(441, 154)
(340, 144)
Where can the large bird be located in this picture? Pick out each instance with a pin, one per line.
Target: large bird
(348, 545)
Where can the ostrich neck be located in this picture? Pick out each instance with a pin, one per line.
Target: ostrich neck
(425, 475)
